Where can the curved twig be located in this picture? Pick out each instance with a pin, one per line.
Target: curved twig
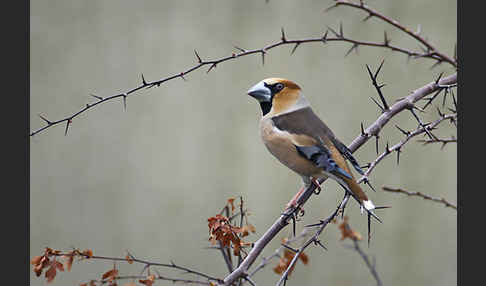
(431, 50)
(398, 147)
(419, 194)
(314, 239)
(146, 263)
(371, 266)
(213, 64)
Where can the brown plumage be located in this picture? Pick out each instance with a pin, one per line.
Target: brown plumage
(296, 136)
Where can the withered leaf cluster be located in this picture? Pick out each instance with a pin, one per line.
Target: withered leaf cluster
(149, 281)
(49, 260)
(285, 260)
(221, 229)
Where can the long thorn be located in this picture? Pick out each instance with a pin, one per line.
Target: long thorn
(438, 78)
(354, 47)
(45, 119)
(376, 143)
(295, 48)
(398, 155)
(67, 126)
(240, 49)
(369, 229)
(406, 133)
(381, 108)
(143, 81)
(95, 96)
(197, 56)
(283, 36)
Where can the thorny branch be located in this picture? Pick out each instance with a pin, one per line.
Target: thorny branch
(314, 239)
(398, 147)
(266, 260)
(373, 130)
(407, 103)
(419, 194)
(430, 50)
(155, 277)
(147, 265)
(444, 142)
(431, 53)
(404, 104)
(283, 220)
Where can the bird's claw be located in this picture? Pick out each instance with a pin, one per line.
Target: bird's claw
(318, 186)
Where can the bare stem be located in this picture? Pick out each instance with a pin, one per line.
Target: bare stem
(398, 147)
(431, 50)
(213, 63)
(421, 195)
(371, 266)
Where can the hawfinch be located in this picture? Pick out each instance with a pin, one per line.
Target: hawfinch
(294, 134)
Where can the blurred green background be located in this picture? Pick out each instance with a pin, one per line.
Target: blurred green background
(146, 179)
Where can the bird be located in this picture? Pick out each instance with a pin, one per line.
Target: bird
(300, 140)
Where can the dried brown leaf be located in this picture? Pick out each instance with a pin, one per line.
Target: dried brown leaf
(58, 265)
(69, 261)
(110, 275)
(38, 270)
(347, 232)
(285, 261)
(304, 258)
(231, 202)
(36, 260)
(88, 253)
(147, 282)
(50, 273)
(245, 230)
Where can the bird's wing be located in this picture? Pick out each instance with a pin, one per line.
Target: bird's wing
(325, 149)
(325, 155)
(344, 150)
(322, 158)
(305, 121)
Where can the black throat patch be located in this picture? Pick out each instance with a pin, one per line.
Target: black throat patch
(266, 106)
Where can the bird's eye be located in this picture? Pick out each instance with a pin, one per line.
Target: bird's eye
(279, 86)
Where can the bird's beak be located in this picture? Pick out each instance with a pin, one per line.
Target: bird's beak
(260, 92)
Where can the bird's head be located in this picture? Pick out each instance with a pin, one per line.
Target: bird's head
(277, 95)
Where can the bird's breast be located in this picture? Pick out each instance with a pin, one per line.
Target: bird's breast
(280, 145)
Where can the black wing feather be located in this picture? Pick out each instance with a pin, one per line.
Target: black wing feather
(321, 157)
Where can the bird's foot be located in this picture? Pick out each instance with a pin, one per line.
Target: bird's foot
(318, 186)
(293, 202)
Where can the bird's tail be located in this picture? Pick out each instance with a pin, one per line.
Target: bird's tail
(359, 194)
(361, 197)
